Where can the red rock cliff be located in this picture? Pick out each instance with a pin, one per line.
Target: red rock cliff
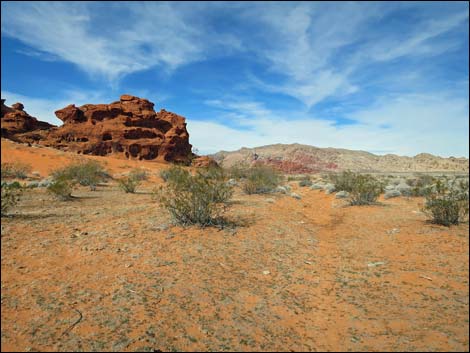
(129, 127)
(16, 123)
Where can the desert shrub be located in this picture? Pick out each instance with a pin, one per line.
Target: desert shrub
(421, 180)
(165, 174)
(174, 174)
(261, 179)
(18, 170)
(238, 171)
(13, 185)
(139, 174)
(421, 185)
(343, 181)
(298, 177)
(200, 199)
(10, 195)
(448, 205)
(422, 191)
(61, 187)
(129, 184)
(87, 173)
(365, 189)
(305, 181)
(218, 175)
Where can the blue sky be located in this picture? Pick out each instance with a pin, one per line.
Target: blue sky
(381, 77)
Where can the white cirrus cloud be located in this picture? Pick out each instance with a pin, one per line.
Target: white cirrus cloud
(151, 34)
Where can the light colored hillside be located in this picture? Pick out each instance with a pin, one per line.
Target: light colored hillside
(304, 158)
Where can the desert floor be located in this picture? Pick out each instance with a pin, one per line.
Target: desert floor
(108, 271)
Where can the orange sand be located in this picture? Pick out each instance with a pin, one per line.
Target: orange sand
(340, 278)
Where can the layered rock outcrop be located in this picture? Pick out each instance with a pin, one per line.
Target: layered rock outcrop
(17, 122)
(204, 162)
(128, 127)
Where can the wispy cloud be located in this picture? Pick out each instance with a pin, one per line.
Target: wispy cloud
(300, 41)
(418, 43)
(318, 48)
(151, 34)
(37, 54)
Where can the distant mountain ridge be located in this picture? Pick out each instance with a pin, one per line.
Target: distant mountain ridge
(297, 158)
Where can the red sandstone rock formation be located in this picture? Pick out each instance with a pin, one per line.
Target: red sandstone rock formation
(129, 127)
(204, 161)
(19, 126)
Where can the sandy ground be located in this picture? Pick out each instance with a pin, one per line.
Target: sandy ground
(108, 272)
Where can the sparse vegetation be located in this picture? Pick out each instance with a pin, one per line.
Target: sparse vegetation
(261, 179)
(448, 205)
(173, 174)
(421, 185)
(130, 240)
(238, 171)
(87, 173)
(200, 199)
(16, 170)
(298, 177)
(84, 172)
(139, 174)
(305, 181)
(343, 181)
(129, 184)
(61, 187)
(365, 189)
(10, 196)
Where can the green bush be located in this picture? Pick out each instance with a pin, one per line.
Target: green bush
(305, 181)
(129, 184)
(238, 171)
(261, 179)
(448, 205)
(200, 199)
(365, 189)
(87, 173)
(421, 185)
(10, 196)
(62, 188)
(18, 170)
(173, 174)
(421, 180)
(217, 176)
(14, 185)
(343, 181)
